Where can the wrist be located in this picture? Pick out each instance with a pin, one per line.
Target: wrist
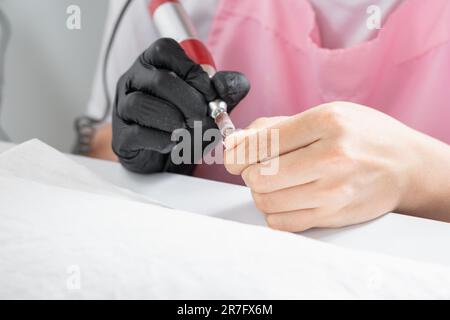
(412, 192)
(428, 186)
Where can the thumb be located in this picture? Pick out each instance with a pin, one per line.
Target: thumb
(231, 87)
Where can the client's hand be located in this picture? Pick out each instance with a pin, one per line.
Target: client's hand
(340, 164)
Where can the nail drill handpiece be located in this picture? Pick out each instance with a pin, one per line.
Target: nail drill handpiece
(172, 21)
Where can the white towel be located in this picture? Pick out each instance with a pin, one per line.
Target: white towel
(63, 242)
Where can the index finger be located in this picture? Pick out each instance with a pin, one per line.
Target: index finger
(280, 138)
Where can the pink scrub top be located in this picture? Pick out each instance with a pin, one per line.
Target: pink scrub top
(403, 72)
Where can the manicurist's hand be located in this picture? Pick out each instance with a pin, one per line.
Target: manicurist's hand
(341, 164)
(163, 91)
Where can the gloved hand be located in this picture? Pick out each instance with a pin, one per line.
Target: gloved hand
(164, 90)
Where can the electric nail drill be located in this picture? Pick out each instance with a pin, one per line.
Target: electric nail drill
(172, 21)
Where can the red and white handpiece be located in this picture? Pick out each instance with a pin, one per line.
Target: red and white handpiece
(172, 21)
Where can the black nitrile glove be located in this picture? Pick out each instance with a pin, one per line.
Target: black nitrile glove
(164, 90)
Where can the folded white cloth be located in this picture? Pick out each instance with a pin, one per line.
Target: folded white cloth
(66, 237)
(36, 161)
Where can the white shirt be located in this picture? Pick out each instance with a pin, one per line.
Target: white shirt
(342, 24)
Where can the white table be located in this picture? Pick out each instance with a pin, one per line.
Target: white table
(393, 234)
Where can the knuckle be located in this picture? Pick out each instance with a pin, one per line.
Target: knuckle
(230, 163)
(256, 181)
(130, 101)
(262, 202)
(340, 155)
(337, 152)
(251, 178)
(161, 46)
(342, 195)
(122, 82)
(121, 145)
(347, 192)
(232, 168)
(122, 101)
(121, 109)
(158, 79)
(332, 115)
(258, 122)
(273, 222)
(334, 220)
(276, 222)
(124, 106)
